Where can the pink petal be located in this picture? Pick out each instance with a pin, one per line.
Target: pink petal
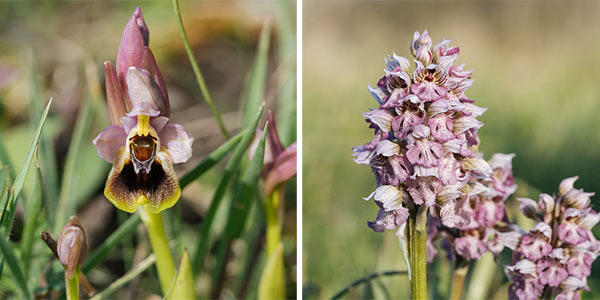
(145, 97)
(114, 94)
(177, 141)
(109, 141)
(159, 123)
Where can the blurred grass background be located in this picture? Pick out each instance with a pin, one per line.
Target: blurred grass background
(536, 67)
(56, 49)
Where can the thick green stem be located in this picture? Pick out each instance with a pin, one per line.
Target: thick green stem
(160, 246)
(458, 280)
(72, 285)
(199, 77)
(272, 217)
(417, 251)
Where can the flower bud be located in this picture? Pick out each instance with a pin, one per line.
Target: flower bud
(72, 247)
(134, 40)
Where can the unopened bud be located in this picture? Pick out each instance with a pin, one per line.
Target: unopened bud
(72, 247)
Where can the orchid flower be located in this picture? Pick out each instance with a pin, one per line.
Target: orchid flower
(140, 143)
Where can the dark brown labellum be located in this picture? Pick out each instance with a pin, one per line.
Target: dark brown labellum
(142, 149)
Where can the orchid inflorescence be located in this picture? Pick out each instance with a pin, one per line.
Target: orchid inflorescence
(425, 129)
(140, 143)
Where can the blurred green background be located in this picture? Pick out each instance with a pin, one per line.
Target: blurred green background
(536, 67)
(56, 49)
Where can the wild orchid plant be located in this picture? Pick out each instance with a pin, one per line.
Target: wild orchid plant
(433, 184)
(140, 143)
(142, 146)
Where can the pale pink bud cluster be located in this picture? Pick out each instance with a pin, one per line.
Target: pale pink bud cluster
(554, 258)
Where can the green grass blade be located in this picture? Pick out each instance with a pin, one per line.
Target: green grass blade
(4, 189)
(246, 191)
(230, 169)
(72, 173)
(4, 158)
(46, 154)
(255, 88)
(13, 265)
(197, 72)
(111, 242)
(211, 160)
(7, 216)
(129, 276)
(30, 233)
(286, 104)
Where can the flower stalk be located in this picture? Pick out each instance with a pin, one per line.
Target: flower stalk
(272, 219)
(72, 284)
(458, 280)
(160, 247)
(417, 251)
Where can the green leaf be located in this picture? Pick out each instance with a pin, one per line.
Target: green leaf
(211, 160)
(255, 88)
(230, 169)
(246, 191)
(184, 287)
(129, 276)
(272, 280)
(73, 170)
(111, 242)
(9, 212)
(13, 264)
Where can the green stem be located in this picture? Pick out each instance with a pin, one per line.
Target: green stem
(72, 285)
(272, 218)
(458, 280)
(197, 72)
(417, 251)
(160, 246)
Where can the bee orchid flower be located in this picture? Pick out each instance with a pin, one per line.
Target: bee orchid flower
(140, 143)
